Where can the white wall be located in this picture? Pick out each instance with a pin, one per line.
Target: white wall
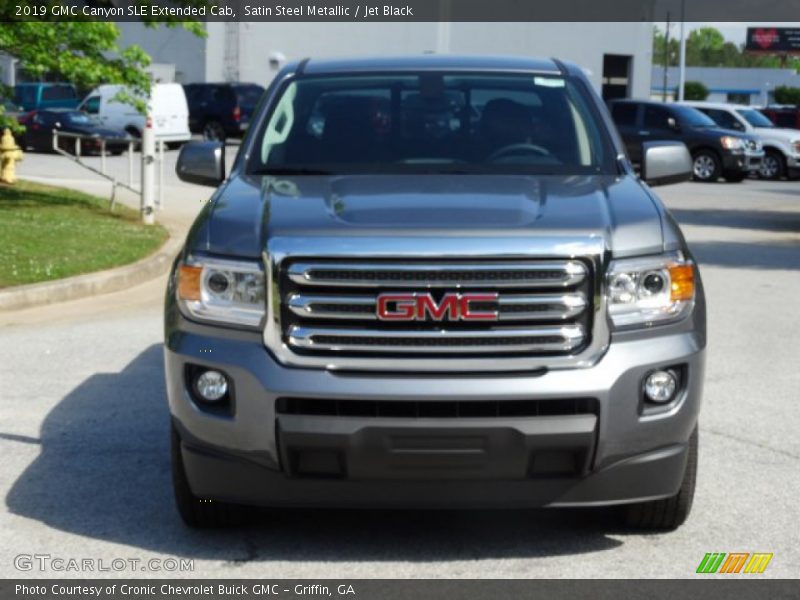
(582, 43)
(300, 40)
(176, 46)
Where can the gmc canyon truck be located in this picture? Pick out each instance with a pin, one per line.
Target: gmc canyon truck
(434, 282)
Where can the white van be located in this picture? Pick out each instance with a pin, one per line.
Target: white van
(167, 107)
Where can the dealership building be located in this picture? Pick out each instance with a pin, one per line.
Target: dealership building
(616, 56)
(743, 86)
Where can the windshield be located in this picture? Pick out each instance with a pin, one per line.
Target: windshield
(691, 117)
(755, 118)
(432, 122)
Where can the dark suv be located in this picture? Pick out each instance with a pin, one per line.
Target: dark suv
(221, 110)
(715, 152)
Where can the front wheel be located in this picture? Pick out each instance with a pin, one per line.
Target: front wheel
(197, 512)
(669, 513)
(705, 166)
(773, 166)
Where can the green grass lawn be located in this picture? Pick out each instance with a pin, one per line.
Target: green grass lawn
(49, 233)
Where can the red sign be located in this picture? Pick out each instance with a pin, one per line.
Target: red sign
(773, 39)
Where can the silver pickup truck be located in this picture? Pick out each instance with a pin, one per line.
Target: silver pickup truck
(434, 282)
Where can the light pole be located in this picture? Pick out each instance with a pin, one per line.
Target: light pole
(682, 55)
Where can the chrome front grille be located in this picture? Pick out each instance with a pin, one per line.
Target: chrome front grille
(539, 308)
(455, 275)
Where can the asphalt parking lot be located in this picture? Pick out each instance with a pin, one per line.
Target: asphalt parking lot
(83, 436)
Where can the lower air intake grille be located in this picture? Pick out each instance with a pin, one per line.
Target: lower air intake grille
(415, 409)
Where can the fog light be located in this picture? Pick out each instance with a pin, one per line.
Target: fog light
(660, 386)
(211, 386)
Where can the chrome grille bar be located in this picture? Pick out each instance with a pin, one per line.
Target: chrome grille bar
(510, 307)
(500, 340)
(564, 273)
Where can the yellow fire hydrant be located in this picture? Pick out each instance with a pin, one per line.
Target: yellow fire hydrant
(10, 155)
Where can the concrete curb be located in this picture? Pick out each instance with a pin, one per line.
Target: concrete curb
(90, 284)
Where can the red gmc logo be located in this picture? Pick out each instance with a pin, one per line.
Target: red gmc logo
(421, 307)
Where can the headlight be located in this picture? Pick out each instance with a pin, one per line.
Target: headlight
(796, 146)
(648, 290)
(222, 291)
(731, 143)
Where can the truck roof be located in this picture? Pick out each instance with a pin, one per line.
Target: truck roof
(432, 62)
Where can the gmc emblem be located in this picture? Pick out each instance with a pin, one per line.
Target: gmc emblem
(421, 307)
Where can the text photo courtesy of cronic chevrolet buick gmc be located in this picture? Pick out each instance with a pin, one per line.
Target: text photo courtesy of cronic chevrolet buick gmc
(434, 282)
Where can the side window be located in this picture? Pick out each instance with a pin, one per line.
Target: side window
(624, 114)
(191, 93)
(657, 118)
(222, 94)
(723, 118)
(92, 105)
(783, 119)
(58, 92)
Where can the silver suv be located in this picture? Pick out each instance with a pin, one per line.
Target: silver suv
(434, 282)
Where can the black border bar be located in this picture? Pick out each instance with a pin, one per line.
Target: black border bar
(367, 11)
(709, 587)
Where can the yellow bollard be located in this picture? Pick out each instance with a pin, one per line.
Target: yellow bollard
(10, 155)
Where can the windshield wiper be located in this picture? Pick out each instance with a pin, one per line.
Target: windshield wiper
(292, 171)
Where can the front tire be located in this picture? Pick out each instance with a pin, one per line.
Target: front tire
(773, 166)
(706, 166)
(669, 513)
(197, 512)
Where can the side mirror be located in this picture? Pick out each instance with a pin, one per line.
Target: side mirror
(202, 163)
(665, 162)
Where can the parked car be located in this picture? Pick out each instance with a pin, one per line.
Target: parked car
(410, 306)
(39, 126)
(781, 146)
(166, 107)
(221, 110)
(786, 117)
(35, 96)
(716, 152)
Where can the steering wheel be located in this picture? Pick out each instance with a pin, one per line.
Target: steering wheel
(515, 148)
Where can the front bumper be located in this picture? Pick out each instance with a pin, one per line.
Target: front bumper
(793, 164)
(620, 451)
(742, 162)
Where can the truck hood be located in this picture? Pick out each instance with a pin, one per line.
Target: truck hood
(778, 134)
(249, 213)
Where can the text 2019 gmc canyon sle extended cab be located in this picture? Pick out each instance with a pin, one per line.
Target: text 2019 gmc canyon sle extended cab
(434, 282)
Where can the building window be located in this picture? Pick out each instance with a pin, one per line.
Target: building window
(616, 76)
(738, 98)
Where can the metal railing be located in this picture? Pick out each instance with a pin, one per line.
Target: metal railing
(104, 144)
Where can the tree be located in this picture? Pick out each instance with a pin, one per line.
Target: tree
(659, 46)
(706, 47)
(694, 90)
(82, 51)
(787, 95)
